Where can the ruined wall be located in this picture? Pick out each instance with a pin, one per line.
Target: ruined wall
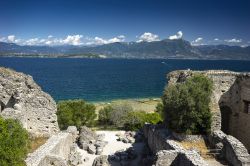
(230, 91)
(230, 148)
(54, 152)
(169, 152)
(21, 98)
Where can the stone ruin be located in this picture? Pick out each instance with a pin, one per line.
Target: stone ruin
(90, 141)
(230, 107)
(21, 98)
(230, 101)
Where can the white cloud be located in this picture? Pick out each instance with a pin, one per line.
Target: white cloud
(233, 40)
(99, 40)
(33, 41)
(197, 41)
(176, 36)
(72, 40)
(148, 37)
(11, 38)
(216, 39)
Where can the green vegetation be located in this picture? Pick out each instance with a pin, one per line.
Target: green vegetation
(75, 113)
(136, 119)
(122, 116)
(186, 105)
(115, 116)
(119, 114)
(14, 143)
(104, 115)
(160, 109)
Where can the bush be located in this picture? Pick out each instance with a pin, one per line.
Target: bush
(75, 113)
(160, 109)
(14, 143)
(186, 105)
(104, 115)
(136, 119)
(119, 113)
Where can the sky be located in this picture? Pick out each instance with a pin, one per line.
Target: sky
(86, 22)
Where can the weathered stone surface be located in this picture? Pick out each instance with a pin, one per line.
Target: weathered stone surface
(101, 161)
(75, 157)
(91, 142)
(52, 160)
(86, 136)
(21, 98)
(235, 152)
(57, 146)
(168, 151)
(157, 138)
(166, 157)
(179, 158)
(73, 130)
(91, 149)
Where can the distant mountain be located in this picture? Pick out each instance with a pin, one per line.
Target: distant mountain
(166, 49)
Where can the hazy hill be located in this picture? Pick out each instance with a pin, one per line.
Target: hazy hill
(178, 49)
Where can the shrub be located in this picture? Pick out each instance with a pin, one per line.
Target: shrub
(160, 109)
(119, 113)
(136, 119)
(75, 113)
(14, 141)
(153, 118)
(186, 105)
(104, 115)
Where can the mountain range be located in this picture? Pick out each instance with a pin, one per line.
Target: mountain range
(164, 49)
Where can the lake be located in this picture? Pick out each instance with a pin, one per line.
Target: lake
(108, 79)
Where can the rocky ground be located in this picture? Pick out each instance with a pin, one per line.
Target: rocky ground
(117, 150)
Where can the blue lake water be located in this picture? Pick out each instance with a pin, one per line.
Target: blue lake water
(107, 79)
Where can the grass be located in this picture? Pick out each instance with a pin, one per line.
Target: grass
(35, 143)
(200, 145)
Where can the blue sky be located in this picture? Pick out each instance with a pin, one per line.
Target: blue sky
(54, 22)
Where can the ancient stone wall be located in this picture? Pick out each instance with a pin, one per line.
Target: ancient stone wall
(167, 151)
(231, 149)
(54, 152)
(231, 91)
(21, 98)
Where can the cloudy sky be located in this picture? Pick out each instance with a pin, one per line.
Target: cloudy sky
(86, 22)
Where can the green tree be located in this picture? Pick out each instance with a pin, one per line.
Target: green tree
(104, 115)
(75, 113)
(136, 119)
(186, 105)
(119, 113)
(14, 143)
(160, 109)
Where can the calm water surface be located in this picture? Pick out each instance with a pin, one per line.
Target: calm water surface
(107, 79)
